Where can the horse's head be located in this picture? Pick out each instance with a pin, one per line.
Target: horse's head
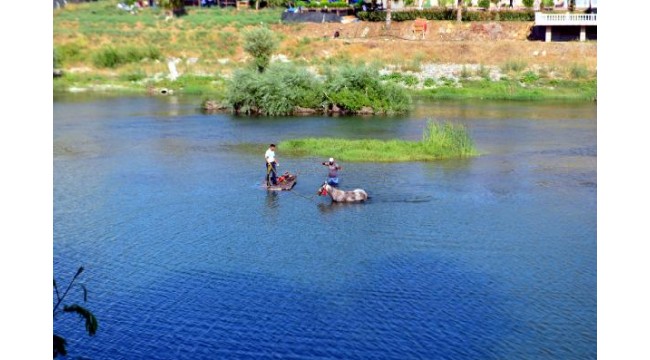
(323, 189)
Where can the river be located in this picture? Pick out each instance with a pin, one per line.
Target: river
(186, 257)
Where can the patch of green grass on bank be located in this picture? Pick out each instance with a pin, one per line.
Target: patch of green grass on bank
(439, 141)
(137, 81)
(514, 90)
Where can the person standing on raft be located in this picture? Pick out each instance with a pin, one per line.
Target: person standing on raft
(332, 173)
(271, 166)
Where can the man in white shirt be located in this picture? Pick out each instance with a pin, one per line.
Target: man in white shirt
(270, 165)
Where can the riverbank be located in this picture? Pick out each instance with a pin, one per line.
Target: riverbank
(198, 53)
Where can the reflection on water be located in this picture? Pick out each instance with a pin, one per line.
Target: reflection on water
(492, 257)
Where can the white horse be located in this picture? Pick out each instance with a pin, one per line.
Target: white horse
(337, 195)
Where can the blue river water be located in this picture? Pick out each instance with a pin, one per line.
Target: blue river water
(186, 257)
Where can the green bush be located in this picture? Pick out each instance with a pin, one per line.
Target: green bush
(276, 91)
(410, 80)
(353, 88)
(429, 82)
(528, 3)
(283, 87)
(485, 4)
(529, 77)
(260, 43)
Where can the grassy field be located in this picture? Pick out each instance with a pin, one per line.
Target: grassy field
(100, 47)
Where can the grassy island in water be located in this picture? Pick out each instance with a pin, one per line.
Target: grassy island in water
(439, 141)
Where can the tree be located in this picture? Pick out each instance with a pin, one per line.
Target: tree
(59, 345)
(260, 44)
(459, 11)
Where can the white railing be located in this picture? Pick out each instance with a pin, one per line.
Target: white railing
(564, 19)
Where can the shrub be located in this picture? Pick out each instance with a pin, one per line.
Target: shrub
(443, 3)
(485, 4)
(107, 58)
(410, 80)
(529, 77)
(528, 3)
(429, 82)
(352, 88)
(277, 91)
(260, 43)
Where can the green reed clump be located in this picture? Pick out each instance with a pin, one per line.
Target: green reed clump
(446, 139)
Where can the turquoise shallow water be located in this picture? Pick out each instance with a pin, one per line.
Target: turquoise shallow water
(186, 257)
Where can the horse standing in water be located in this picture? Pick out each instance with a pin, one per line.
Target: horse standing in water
(337, 195)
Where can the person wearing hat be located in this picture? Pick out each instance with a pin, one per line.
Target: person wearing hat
(271, 166)
(332, 174)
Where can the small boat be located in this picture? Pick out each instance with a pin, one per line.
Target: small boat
(285, 182)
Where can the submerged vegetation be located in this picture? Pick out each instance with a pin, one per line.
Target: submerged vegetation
(439, 141)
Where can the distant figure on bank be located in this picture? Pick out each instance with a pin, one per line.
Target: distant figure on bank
(333, 172)
(271, 166)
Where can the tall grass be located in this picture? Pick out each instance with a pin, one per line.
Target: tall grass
(514, 66)
(439, 141)
(446, 139)
(111, 57)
